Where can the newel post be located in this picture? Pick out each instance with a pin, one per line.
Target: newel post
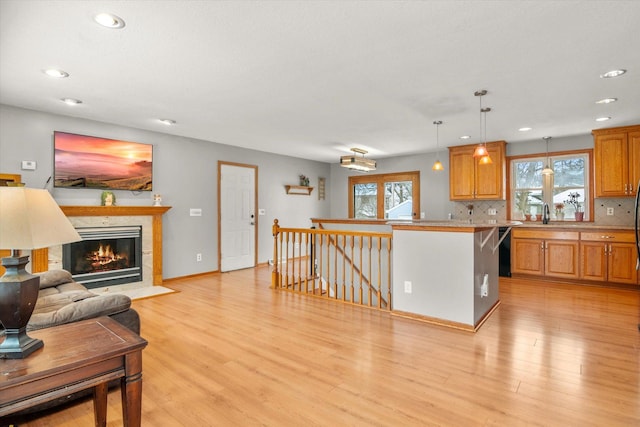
(275, 275)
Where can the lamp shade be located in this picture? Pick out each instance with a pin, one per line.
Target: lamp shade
(31, 219)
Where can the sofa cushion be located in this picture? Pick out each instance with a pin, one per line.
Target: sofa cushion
(73, 311)
(54, 278)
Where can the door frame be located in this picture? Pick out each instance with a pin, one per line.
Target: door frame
(255, 203)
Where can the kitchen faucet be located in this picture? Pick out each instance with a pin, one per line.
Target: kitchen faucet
(545, 214)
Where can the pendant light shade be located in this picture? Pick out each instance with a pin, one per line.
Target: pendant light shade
(437, 166)
(481, 152)
(547, 169)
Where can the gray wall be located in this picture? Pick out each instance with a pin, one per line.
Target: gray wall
(185, 174)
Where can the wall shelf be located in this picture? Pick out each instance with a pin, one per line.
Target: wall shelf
(298, 189)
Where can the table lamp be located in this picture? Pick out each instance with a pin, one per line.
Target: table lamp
(29, 219)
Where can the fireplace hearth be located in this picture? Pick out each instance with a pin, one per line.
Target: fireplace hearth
(105, 256)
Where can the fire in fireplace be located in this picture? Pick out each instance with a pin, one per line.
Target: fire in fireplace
(105, 256)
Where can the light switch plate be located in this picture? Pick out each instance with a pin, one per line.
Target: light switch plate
(261, 212)
(195, 212)
(29, 165)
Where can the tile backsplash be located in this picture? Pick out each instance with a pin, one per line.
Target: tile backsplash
(623, 211)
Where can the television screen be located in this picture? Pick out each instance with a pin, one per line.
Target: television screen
(82, 161)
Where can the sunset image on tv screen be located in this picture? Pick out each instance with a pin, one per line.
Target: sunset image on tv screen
(82, 161)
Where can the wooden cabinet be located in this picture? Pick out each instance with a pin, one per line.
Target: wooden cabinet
(469, 180)
(617, 161)
(545, 253)
(608, 257)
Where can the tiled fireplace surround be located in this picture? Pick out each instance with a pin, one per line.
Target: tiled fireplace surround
(149, 217)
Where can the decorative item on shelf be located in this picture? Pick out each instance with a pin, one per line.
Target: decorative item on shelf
(481, 150)
(29, 219)
(437, 166)
(547, 169)
(157, 200)
(559, 211)
(360, 164)
(304, 181)
(107, 199)
(574, 200)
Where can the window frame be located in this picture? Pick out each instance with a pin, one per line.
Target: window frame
(589, 190)
(380, 180)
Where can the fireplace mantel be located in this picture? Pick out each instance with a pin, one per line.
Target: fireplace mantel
(114, 210)
(40, 257)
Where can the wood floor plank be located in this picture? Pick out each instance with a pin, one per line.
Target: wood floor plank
(226, 350)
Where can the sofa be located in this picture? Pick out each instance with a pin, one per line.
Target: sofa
(62, 300)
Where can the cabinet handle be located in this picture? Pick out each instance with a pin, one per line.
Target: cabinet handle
(542, 246)
(607, 237)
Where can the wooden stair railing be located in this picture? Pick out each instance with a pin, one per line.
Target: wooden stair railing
(334, 264)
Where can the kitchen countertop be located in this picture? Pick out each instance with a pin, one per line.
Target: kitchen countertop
(456, 225)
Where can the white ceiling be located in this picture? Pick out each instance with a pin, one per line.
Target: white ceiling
(313, 78)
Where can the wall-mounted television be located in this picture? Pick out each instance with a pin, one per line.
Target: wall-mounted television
(82, 161)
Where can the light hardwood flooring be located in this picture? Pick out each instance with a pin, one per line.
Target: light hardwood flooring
(228, 351)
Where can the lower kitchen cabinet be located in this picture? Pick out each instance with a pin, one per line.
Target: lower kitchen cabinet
(545, 253)
(608, 257)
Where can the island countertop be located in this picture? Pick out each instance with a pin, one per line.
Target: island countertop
(451, 225)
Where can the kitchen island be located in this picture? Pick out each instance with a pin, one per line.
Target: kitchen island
(446, 272)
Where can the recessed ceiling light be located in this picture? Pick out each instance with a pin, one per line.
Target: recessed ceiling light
(109, 20)
(58, 74)
(606, 100)
(524, 129)
(71, 101)
(465, 137)
(167, 122)
(612, 73)
(603, 119)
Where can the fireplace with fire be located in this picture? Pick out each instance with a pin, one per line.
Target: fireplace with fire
(105, 256)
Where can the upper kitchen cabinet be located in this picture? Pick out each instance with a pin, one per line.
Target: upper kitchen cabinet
(617, 161)
(469, 180)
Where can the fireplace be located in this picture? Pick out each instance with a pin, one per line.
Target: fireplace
(105, 256)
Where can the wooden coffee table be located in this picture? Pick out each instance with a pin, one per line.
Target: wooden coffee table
(77, 356)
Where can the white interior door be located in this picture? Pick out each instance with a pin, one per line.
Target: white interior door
(238, 221)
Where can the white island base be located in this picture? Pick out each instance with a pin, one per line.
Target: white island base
(446, 275)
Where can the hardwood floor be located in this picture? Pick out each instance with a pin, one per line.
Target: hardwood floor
(226, 350)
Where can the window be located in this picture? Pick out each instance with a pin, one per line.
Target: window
(530, 190)
(388, 196)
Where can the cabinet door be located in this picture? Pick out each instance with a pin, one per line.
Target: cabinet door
(634, 161)
(488, 178)
(611, 165)
(593, 261)
(561, 258)
(461, 174)
(527, 256)
(622, 263)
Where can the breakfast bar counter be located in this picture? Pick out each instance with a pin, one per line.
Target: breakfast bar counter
(446, 272)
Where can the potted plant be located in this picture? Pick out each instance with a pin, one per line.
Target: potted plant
(304, 181)
(559, 211)
(574, 200)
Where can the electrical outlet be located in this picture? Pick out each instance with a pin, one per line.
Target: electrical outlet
(407, 287)
(198, 257)
(492, 212)
(609, 211)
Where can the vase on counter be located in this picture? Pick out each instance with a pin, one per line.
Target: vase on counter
(579, 216)
(560, 216)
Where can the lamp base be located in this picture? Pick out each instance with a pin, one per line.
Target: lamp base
(18, 297)
(18, 345)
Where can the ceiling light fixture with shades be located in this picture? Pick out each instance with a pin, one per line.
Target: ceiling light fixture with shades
(437, 166)
(481, 150)
(360, 164)
(547, 169)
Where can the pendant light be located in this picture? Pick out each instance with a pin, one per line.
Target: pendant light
(547, 169)
(481, 150)
(437, 166)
